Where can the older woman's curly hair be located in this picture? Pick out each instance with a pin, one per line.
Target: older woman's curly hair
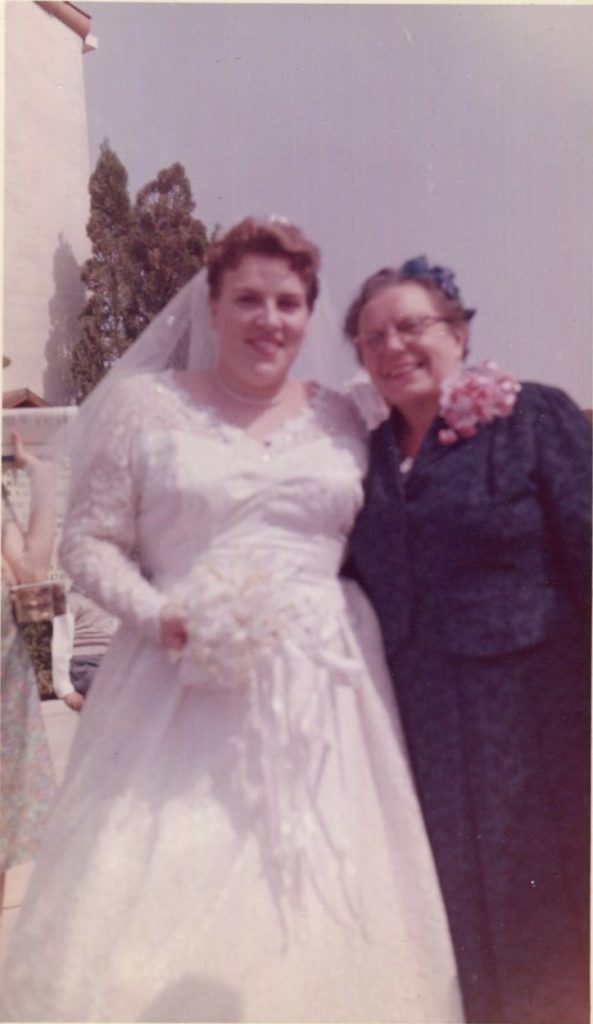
(438, 281)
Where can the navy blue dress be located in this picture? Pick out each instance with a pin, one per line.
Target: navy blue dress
(478, 563)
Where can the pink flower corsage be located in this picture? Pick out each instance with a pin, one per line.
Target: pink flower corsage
(475, 396)
(372, 408)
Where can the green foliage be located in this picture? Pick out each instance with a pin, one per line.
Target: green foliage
(167, 245)
(105, 330)
(141, 256)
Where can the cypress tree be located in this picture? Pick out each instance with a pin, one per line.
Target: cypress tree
(105, 320)
(141, 256)
(167, 244)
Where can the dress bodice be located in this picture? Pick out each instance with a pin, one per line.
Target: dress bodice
(484, 547)
(176, 485)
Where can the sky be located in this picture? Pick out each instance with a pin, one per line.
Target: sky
(385, 131)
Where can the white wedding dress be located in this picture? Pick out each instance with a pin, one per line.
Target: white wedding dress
(238, 837)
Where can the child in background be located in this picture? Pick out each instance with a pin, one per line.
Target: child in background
(80, 639)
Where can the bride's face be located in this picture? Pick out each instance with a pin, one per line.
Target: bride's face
(260, 318)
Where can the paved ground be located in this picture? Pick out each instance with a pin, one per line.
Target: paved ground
(60, 723)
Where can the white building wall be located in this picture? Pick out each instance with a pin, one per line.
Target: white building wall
(47, 167)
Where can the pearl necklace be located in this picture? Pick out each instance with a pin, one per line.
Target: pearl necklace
(262, 403)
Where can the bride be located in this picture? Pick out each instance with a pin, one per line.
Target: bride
(238, 837)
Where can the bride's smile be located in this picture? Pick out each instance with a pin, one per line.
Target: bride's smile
(260, 318)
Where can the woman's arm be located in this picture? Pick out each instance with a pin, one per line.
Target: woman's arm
(564, 472)
(100, 531)
(28, 554)
(62, 646)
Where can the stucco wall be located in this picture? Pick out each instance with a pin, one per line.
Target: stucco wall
(46, 206)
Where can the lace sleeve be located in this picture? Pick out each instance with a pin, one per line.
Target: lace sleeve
(100, 528)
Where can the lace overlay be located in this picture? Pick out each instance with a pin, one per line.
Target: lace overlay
(238, 837)
(156, 430)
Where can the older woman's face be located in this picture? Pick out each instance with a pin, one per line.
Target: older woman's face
(260, 318)
(406, 347)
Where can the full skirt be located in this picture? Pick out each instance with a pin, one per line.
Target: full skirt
(174, 886)
(501, 753)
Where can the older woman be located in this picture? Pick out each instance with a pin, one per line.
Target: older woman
(474, 545)
(238, 838)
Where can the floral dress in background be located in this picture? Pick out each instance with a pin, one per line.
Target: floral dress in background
(26, 782)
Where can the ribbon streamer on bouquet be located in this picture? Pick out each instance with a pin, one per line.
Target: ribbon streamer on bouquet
(296, 728)
(282, 636)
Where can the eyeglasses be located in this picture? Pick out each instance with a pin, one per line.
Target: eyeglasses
(408, 330)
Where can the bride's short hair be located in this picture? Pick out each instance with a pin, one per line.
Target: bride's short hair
(275, 237)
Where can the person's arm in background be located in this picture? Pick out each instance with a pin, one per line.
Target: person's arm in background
(62, 646)
(28, 553)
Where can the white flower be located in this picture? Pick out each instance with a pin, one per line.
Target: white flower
(241, 612)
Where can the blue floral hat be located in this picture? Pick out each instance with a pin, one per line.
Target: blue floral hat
(443, 277)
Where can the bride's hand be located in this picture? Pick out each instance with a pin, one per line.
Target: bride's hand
(173, 631)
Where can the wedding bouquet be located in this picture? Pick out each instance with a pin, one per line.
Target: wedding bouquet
(240, 615)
